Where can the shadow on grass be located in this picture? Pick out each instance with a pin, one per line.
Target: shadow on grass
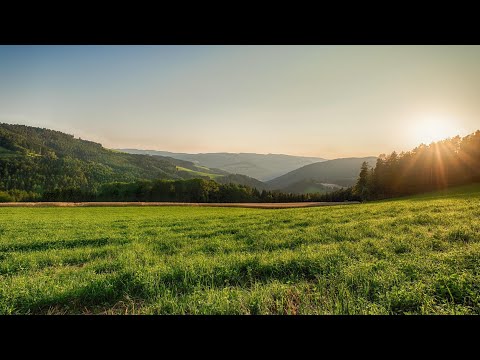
(61, 244)
(99, 294)
(246, 273)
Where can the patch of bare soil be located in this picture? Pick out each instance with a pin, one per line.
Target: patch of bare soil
(242, 205)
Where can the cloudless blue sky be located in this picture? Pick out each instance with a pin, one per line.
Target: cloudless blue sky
(327, 101)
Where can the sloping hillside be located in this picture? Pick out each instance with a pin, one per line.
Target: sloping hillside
(342, 172)
(259, 166)
(188, 169)
(309, 186)
(242, 180)
(38, 160)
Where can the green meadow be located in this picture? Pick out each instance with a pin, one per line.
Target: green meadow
(417, 255)
(199, 173)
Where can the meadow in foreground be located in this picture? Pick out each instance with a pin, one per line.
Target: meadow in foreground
(419, 255)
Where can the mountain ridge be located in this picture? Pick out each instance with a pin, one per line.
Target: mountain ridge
(263, 167)
(38, 160)
(342, 171)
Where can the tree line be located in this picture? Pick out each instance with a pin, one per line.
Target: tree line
(451, 162)
(193, 190)
(45, 165)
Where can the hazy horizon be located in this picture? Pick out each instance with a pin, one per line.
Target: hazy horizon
(216, 152)
(316, 101)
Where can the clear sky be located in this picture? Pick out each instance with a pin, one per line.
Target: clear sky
(326, 101)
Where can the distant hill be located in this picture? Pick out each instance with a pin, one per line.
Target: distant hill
(242, 180)
(38, 160)
(189, 169)
(259, 166)
(342, 172)
(309, 186)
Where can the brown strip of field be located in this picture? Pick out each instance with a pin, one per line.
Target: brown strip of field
(242, 205)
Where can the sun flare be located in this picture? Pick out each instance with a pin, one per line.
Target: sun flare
(433, 128)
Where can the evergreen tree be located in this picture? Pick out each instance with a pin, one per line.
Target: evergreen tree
(361, 188)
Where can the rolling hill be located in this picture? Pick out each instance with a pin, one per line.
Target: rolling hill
(242, 180)
(307, 186)
(342, 172)
(39, 160)
(189, 169)
(259, 166)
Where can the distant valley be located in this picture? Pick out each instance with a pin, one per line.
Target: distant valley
(294, 174)
(342, 172)
(263, 167)
(38, 161)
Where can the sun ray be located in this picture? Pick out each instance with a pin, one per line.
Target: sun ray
(440, 169)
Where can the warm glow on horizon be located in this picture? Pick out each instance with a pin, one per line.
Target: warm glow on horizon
(432, 128)
(328, 101)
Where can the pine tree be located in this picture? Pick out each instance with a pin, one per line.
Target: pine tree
(361, 187)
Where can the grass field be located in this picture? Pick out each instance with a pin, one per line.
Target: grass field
(411, 256)
(199, 173)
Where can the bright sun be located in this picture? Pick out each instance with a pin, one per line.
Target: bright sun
(433, 128)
